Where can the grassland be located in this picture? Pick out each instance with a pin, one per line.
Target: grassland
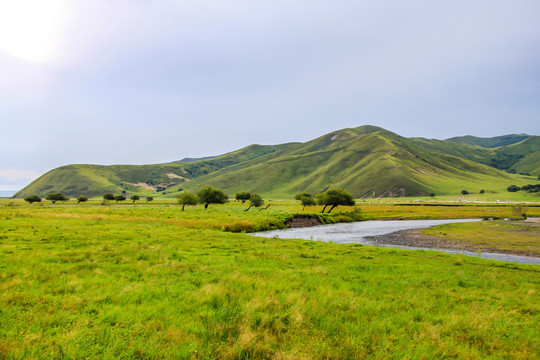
(151, 281)
(516, 237)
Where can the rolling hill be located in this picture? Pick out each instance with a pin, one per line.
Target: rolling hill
(366, 161)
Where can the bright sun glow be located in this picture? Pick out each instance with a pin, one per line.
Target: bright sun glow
(31, 30)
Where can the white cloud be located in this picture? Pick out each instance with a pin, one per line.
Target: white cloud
(18, 175)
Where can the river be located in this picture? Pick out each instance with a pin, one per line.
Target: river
(356, 232)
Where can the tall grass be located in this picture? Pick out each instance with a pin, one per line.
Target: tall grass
(95, 285)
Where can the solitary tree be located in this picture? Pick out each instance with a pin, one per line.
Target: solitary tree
(242, 196)
(54, 197)
(255, 200)
(306, 199)
(210, 195)
(464, 192)
(513, 188)
(134, 198)
(301, 195)
(187, 198)
(119, 198)
(149, 198)
(482, 191)
(107, 197)
(32, 199)
(81, 199)
(334, 198)
(432, 195)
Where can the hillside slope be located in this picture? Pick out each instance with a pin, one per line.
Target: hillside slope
(367, 161)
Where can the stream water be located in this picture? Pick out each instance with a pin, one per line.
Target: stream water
(357, 232)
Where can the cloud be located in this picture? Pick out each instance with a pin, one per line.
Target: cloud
(17, 175)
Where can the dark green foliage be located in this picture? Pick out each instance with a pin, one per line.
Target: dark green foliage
(187, 198)
(54, 197)
(482, 191)
(134, 198)
(119, 198)
(242, 196)
(531, 188)
(306, 199)
(81, 199)
(255, 200)
(32, 199)
(149, 198)
(334, 198)
(301, 195)
(464, 192)
(432, 194)
(513, 188)
(210, 195)
(108, 197)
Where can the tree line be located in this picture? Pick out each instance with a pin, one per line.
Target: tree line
(209, 195)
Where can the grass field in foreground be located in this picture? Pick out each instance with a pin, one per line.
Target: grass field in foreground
(516, 237)
(96, 286)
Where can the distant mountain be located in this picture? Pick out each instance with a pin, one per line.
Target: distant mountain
(489, 142)
(366, 161)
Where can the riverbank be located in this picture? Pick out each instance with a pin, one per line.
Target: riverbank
(504, 237)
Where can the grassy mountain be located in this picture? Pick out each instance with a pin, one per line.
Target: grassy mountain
(367, 161)
(489, 142)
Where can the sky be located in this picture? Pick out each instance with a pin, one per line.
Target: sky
(142, 81)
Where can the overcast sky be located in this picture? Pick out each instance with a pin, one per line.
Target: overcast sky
(142, 81)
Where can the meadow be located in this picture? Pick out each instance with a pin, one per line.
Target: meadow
(151, 282)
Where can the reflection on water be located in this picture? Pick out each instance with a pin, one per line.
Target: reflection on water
(356, 232)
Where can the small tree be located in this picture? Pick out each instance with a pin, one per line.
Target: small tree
(119, 198)
(513, 188)
(32, 199)
(432, 195)
(255, 200)
(305, 199)
(334, 198)
(54, 197)
(242, 196)
(210, 195)
(81, 199)
(187, 198)
(134, 198)
(482, 191)
(301, 195)
(149, 198)
(108, 197)
(464, 192)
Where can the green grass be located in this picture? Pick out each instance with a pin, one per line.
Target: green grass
(517, 237)
(131, 282)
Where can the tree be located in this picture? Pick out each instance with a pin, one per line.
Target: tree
(464, 192)
(242, 196)
(134, 198)
(255, 200)
(432, 195)
(187, 198)
(119, 198)
(210, 195)
(306, 199)
(301, 195)
(513, 188)
(107, 197)
(334, 198)
(482, 191)
(54, 197)
(81, 199)
(149, 198)
(32, 199)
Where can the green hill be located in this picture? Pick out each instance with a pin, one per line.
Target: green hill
(489, 142)
(367, 161)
